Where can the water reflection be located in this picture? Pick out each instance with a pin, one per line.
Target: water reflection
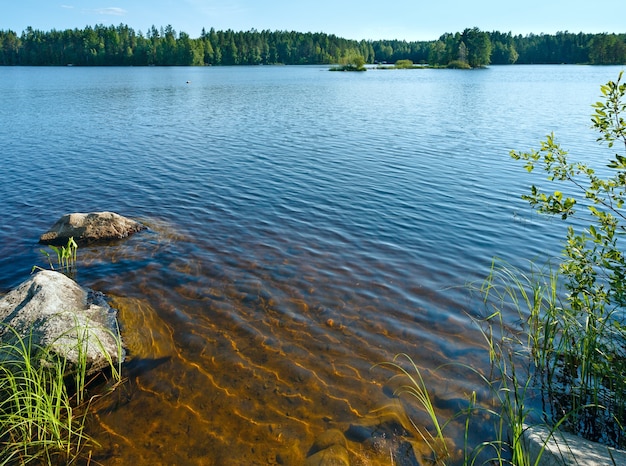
(247, 364)
(305, 225)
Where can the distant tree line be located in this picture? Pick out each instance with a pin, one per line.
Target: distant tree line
(121, 45)
(479, 48)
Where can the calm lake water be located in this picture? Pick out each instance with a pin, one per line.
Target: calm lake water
(304, 225)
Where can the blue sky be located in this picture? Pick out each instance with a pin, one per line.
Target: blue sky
(352, 19)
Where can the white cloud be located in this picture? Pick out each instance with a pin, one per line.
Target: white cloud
(110, 11)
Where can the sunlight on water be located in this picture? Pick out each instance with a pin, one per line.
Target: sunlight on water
(303, 226)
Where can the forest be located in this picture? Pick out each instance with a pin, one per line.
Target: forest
(121, 46)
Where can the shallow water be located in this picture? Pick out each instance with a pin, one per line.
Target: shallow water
(304, 226)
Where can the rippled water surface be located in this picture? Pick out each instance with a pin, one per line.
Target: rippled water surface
(304, 225)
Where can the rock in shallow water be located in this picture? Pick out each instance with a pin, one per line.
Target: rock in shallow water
(90, 228)
(387, 431)
(59, 314)
(328, 439)
(335, 455)
(329, 449)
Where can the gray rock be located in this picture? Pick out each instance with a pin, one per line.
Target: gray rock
(57, 313)
(563, 449)
(90, 228)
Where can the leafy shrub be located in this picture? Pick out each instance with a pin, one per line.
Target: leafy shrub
(459, 65)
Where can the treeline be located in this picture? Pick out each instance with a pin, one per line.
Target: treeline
(479, 48)
(122, 46)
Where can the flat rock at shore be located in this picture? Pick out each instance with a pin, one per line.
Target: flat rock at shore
(91, 227)
(563, 449)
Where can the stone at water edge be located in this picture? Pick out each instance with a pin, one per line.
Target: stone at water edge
(90, 227)
(60, 315)
(563, 449)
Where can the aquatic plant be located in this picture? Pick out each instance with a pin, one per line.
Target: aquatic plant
(520, 331)
(513, 350)
(44, 406)
(65, 257)
(412, 384)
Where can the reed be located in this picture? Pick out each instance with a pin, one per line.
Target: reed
(519, 333)
(44, 405)
(577, 353)
(550, 366)
(65, 258)
(412, 384)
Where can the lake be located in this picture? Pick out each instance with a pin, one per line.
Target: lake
(304, 226)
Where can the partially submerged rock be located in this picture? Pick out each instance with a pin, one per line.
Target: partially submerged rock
(90, 228)
(56, 313)
(387, 432)
(329, 449)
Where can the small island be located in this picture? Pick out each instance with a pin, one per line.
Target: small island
(351, 63)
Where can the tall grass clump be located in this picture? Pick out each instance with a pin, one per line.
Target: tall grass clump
(523, 339)
(513, 329)
(43, 403)
(522, 328)
(557, 365)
